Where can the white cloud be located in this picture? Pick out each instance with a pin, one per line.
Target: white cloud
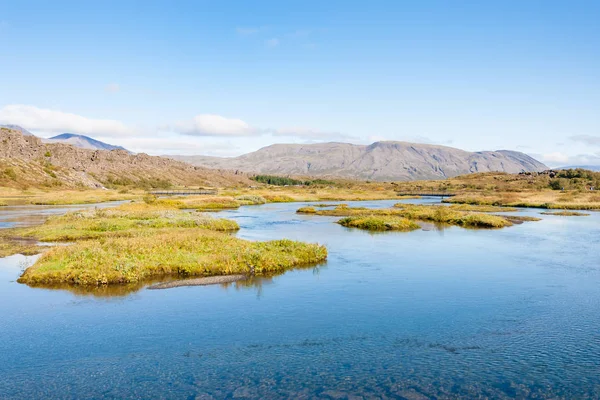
(181, 146)
(274, 42)
(214, 125)
(112, 88)
(555, 157)
(41, 119)
(219, 126)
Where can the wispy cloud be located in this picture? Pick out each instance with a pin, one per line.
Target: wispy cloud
(586, 139)
(41, 119)
(307, 133)
(179, 145)
(219, 126)
(213, 125)
(273, 42)
(247, 31)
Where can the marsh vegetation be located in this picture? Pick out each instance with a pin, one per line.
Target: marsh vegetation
(138, 241)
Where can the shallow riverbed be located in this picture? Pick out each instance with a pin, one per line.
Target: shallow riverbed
(435, 313)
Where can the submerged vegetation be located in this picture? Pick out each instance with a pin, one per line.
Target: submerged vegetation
(11, 246)
(566, 213)
(379, 223)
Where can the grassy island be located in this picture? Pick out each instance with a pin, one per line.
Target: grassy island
(429, 213)
(138, 241)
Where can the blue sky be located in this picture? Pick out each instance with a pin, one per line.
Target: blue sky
(228, 77)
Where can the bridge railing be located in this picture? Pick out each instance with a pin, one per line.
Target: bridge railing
(183, 192)
(432, 194)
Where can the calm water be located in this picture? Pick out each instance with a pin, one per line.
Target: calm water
(453, 313)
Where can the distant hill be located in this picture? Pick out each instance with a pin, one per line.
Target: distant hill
(382, 161)
(26, 161)
(588, 167)
(17, 128)
(83, 142)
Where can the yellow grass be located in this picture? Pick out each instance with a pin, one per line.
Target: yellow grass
(10, 196)
(430, 213)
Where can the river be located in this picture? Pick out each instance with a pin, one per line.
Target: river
(434, 313)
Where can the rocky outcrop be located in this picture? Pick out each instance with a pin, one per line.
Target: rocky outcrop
(382, 161)
(35, 162)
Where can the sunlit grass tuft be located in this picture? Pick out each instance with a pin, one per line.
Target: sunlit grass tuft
(379, 223)
(306, 210)
(279, 198)
(249, 199)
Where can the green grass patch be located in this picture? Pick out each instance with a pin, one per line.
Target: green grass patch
(379, 223)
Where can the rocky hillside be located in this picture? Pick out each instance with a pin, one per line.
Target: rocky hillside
(26, 161)
(383, 161)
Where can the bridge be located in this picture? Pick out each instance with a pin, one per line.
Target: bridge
(183, 192)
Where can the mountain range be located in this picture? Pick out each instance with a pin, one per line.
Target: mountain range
(83, 142)
(381, 161)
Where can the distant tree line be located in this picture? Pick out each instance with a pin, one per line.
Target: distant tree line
(283, 181)
(575, 179)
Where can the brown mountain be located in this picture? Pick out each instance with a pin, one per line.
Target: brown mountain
(383, 161)
(27, 161)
